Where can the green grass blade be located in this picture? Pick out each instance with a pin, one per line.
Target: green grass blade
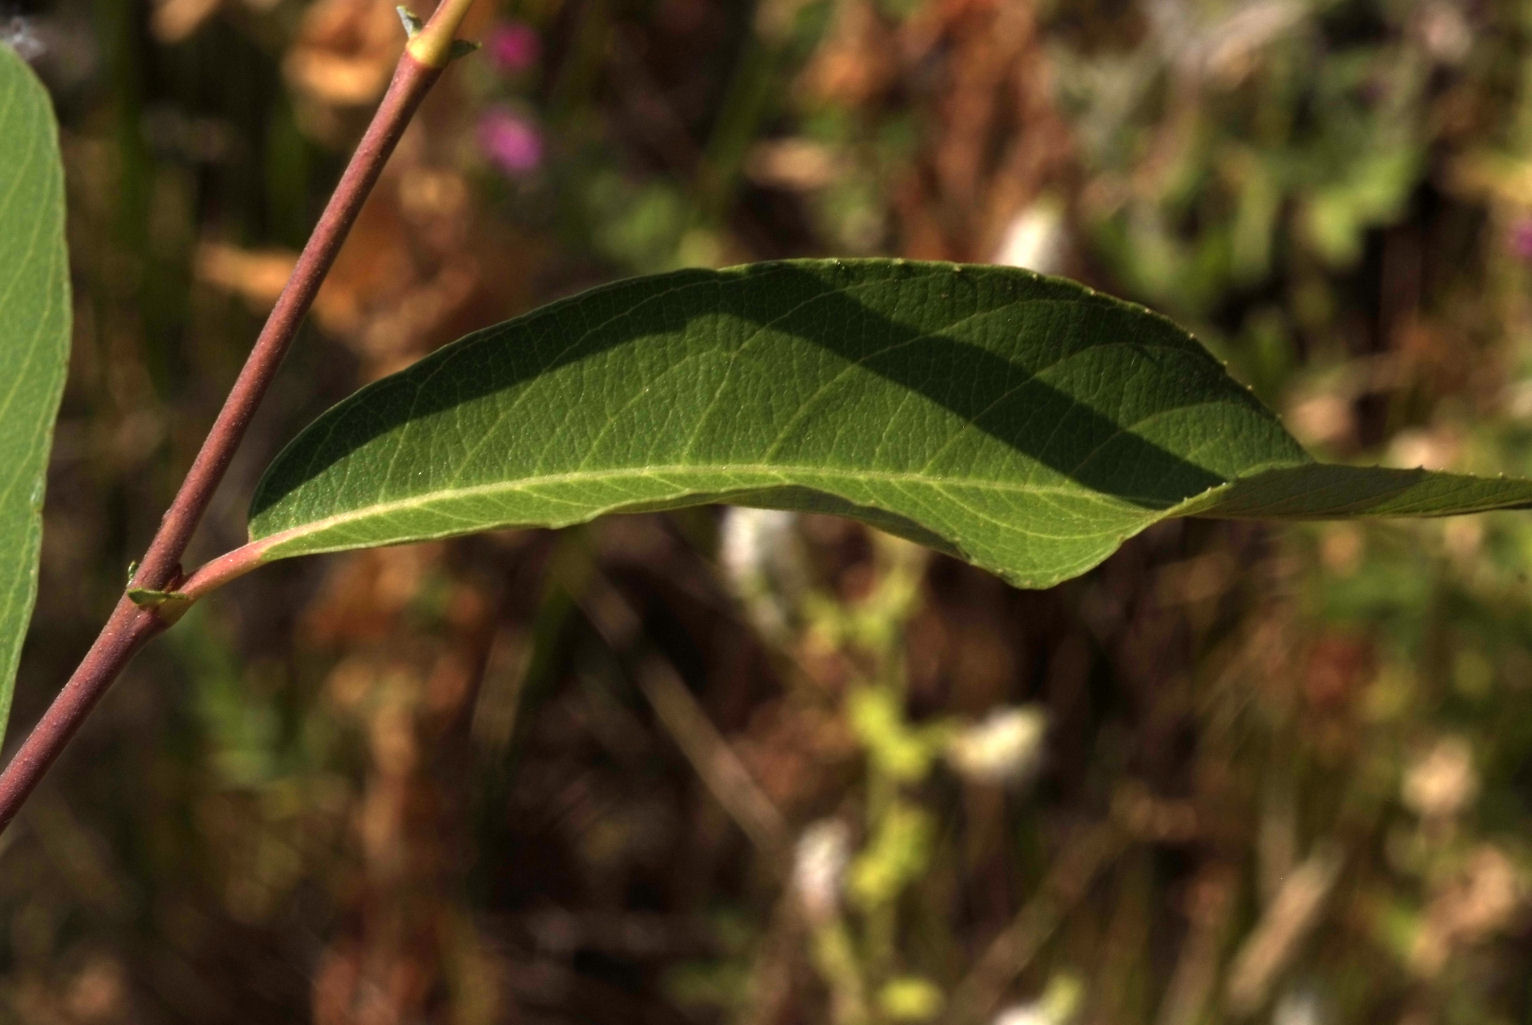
(34, 341)
(1025, 424)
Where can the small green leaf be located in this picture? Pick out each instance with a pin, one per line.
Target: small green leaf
(1025, 424)
(171, 605)
(148, 598)
(34, 340)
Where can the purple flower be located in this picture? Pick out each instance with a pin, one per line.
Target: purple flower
(1519, 240)
(513, 46)
(510, 141)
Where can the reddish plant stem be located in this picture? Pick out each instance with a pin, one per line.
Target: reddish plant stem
(124, 633)
(214, 573)
(160, 569)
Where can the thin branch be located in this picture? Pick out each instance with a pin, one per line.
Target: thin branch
(130, 626)
(229, 566)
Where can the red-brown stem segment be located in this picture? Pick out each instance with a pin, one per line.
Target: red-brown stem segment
(230, 566)
(160, 569)
(125, 632)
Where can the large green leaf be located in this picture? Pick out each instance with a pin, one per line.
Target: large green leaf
(1025, 424)
(34, 340)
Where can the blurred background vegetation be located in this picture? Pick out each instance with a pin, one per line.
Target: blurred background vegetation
(762, 769)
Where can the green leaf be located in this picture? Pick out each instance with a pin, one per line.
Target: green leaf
(1025, 424)
(34, 340)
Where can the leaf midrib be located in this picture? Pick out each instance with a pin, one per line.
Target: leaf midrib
(1151, 506)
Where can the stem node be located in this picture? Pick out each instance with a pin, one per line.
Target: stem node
(435, 44)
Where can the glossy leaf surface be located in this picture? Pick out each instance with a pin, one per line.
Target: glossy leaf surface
(1025, 424)
(34, 340)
